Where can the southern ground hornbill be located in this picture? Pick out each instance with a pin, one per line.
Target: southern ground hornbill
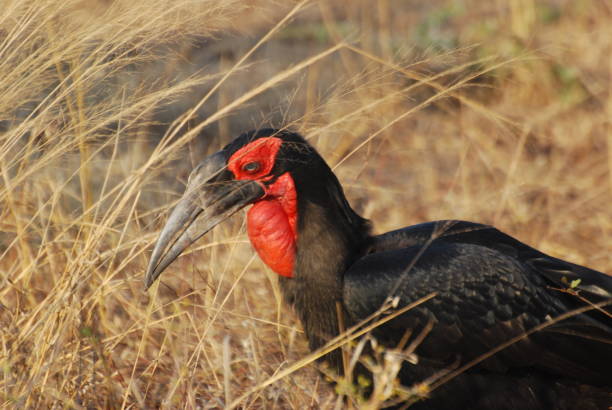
(489, 288)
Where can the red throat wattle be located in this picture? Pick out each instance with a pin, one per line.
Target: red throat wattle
(272, 221)
(272, 226)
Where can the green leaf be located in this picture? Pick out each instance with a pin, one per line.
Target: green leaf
(86, 331)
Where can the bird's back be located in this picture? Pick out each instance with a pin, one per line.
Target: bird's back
(490, 288)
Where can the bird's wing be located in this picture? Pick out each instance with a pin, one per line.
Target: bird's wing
(594, 285)
(489, 288)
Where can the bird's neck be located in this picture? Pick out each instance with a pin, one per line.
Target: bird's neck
(330, 237)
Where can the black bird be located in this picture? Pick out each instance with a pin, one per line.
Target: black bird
(489, 287)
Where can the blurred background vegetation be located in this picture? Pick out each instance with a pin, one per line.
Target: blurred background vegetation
(493, 111)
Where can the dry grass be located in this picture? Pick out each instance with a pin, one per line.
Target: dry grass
(499, 112)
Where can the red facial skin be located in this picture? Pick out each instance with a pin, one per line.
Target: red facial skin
(271, 221)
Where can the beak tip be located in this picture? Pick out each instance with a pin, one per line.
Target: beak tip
(149, 279)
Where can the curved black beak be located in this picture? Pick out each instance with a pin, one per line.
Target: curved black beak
(212, 195)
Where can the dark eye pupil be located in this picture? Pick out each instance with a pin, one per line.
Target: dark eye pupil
(251, 167)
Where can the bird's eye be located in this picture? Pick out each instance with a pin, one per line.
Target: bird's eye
(251, 167)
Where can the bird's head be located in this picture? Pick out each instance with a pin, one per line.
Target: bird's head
(259, 167)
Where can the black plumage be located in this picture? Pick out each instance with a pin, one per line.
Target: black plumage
(489, 289)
